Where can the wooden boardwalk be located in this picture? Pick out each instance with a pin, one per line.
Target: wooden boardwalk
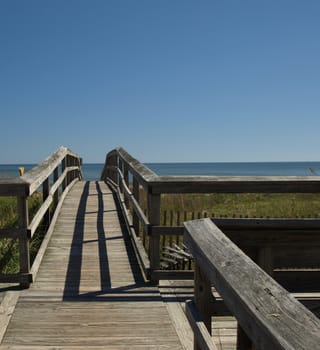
(89, 293)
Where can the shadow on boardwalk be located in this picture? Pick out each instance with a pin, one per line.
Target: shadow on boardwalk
(134, 291)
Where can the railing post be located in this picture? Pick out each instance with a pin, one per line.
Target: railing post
(113, 174)
(45, 194)
(63, 168)
(265, 259)
(79, 163)
(154, 243)
(120, 165)
(69, 175)
(126, 179)
(136, 194)
(202, 299)
(24, 253)
(56, 194)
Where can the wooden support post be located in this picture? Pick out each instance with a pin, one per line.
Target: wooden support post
(154, 243)
(79, 164)
(121, 169)
(69, 176)
(45, 194)
(126, 179)
(136, 195)
(75, 173)
(24, 253)
(202, 299)
(113, 174)
(63, 167)
(56, 194)
(265, 259)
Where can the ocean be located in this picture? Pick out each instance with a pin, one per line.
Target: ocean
(91, 172)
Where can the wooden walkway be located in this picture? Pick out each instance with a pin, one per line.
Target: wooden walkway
(89, 293)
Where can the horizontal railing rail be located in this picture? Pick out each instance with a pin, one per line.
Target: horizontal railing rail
(268, 316)
(120, 167)
(56, 175)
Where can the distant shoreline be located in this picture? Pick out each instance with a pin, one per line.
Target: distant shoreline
(92, 171)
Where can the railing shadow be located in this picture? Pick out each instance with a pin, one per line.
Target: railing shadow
(73, 275)
(105, 278)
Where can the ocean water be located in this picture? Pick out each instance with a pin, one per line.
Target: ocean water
(92, 172)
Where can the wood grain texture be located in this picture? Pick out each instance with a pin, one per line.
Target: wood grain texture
(89, 292)
(270, 316)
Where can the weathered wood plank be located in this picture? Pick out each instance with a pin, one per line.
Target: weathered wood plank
(7, 306)
(89, 292)
(199, 328)
(266, 311)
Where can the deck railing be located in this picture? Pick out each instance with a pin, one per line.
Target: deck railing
(53, 177)
(129, 176)
(268, 316)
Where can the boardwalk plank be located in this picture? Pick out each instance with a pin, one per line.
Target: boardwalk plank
(89, 291)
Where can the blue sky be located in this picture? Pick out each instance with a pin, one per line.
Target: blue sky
(168, 80)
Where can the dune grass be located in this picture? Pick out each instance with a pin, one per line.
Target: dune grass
(175, 208)
(244, 205)
(250, 205)
(9, 253)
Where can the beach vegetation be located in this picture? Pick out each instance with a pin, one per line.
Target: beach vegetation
(9, 248)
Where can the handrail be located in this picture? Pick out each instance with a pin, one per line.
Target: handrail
(69, 165)
(270, 318)
(216, 184)
(120, 163)
(37, 175)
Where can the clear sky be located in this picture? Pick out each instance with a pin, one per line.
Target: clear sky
(168, 80)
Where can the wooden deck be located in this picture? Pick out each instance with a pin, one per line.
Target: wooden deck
(89, 293)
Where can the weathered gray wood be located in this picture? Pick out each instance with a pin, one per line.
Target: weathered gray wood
(173, 275)
(266, 311)
(202, 296)
(126, 181)
(25, 186)
(12, 233)
(265, 259)
(89, 292)
(139, 170)
(55, 179)
(40, 254)
(136, 195)
(36, 176)
(23, 278)
(14, 187)
(210, 184)
(234, 184)
(130, 197)
(39, 215)
(202, 337)
(137, 244)
(24, 254)
(63, 169)
(45, 195)
(247, 233)
(7, 307)
(154, 242)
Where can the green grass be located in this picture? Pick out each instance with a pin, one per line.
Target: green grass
(9, 249)
(244, 205)
(176, 208)
(249, 205)
(194, 205)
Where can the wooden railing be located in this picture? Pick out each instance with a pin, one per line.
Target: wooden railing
(54, 177)
(268, 316)
(129, 176)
